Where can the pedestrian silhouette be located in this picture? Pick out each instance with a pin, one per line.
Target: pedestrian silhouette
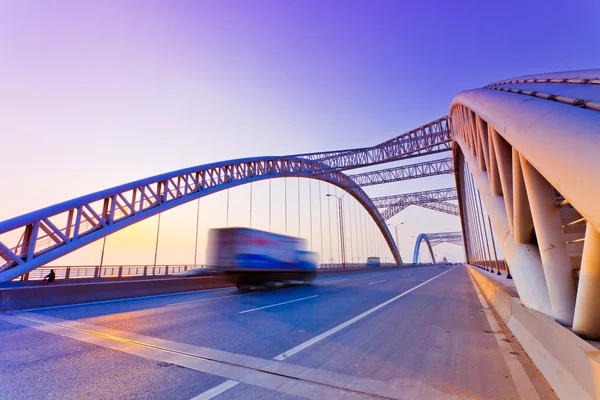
(50, 277)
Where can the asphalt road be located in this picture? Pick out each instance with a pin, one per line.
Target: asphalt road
(406, 333)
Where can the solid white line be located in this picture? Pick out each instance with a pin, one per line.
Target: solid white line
(210, 298)
(330, 332)
(521, 380)
(372, 283)
(91, 303)
(278, 304)
(217, 390)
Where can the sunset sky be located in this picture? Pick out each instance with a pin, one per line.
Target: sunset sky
(100, 93)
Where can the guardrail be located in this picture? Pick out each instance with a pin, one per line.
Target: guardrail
(126, 271)
(106, 271)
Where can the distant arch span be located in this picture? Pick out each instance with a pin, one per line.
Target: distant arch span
(433, 239)
(422, 238)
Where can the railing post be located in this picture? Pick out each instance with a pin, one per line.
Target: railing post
(166, 270)
(145, 270)
(120, 274)
(68, 273)
(97, 272)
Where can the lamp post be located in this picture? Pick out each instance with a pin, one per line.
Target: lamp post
(341, 218)
(396, 229)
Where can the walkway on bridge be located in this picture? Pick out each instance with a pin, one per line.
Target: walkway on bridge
(394, 333)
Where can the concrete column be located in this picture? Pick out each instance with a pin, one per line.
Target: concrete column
(493, 172)
(586, 322)
(523, 222)
(523, 259)
(551, 242)
(504, 156)
(483, 149)
(470, 132)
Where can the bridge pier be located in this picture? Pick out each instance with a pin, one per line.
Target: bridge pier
(551, 244)
(586, 321)
(524, 259)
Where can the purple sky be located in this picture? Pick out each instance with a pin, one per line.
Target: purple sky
(98, 93)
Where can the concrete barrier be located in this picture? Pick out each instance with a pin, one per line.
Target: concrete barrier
(25, 295)
(570, 364)
(51, 295)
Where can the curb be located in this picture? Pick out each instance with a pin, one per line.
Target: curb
(570, 364)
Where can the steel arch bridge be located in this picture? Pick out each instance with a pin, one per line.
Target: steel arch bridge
(434, 239)
(60, 229)
(57, 230)
(525, 161)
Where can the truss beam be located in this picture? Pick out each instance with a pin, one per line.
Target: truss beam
(431, 138)
(405, 172)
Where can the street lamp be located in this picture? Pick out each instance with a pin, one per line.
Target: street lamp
(341, 218)
(396, 229)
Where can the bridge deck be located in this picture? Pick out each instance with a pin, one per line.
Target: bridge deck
(343, 337)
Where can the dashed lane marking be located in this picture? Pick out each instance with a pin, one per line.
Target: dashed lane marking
(217, 390)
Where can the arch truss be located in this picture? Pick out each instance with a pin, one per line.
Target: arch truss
(405, 172)
(434, 239)
(44, 235)
(434, 137)
(433, 199)
(34, 239)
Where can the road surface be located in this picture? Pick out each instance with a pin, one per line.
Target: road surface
(405, 333)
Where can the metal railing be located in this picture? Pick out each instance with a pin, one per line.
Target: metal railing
(106, 271)
(126, 271)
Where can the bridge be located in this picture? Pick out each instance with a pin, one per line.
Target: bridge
(523, 155)
(434, 239)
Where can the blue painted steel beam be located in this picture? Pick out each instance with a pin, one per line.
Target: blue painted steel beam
(422, 237)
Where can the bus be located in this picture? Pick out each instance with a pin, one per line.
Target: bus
(250, 257)
(373, 262)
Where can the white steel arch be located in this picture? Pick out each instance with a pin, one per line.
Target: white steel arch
(54, 231)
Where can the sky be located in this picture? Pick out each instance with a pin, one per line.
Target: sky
(100, 93)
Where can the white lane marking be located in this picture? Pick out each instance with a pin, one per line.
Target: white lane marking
(278, 304)
(521, 380)
(91, 303)
(217, 390)
(372, 283)
(341, 326)
(407, 274)
(210, 298)
(335, 280)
